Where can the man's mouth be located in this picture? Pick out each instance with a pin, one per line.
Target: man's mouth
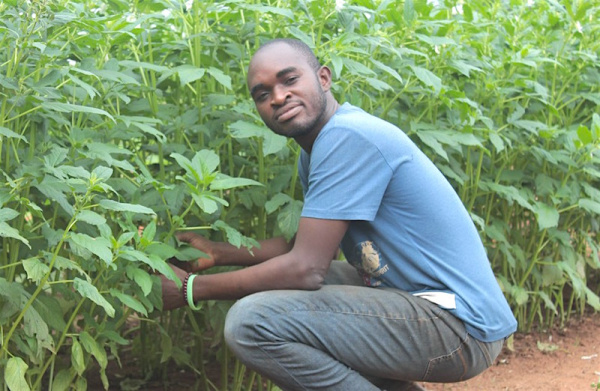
(288, 113)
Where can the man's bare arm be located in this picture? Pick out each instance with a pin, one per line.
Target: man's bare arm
(303, 267)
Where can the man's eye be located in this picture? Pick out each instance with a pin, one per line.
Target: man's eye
(261, 97)
(291, 80)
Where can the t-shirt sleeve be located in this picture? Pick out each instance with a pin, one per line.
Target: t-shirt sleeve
(346, 178)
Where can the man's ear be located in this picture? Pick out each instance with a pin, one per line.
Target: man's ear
(324, 75)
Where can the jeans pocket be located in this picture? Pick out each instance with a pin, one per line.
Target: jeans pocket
(451, 367)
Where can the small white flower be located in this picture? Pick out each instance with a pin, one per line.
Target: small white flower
(130, 18)
(458, 9)
(434, 3)
(166, 13)
(530, 3)
(339, 4)
(436, 48)
(33, 15)
(173, 28)
(153, 26)
(183, 35)
(71, 63)
(578, 26)
(82, 33)
(188, 5)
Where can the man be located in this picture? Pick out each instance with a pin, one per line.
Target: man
(417, 299)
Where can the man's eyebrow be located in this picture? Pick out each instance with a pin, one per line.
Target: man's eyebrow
(278, 75)
(285, 71)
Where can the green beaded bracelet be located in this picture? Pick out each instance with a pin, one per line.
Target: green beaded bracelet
(190, 293)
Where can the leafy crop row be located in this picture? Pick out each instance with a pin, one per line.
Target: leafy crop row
(122, 123)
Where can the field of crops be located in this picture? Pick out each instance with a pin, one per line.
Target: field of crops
(124, 122)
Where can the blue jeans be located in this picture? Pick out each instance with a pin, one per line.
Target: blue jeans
(349, 337)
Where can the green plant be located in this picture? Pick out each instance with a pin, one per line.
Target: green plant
(122, 123)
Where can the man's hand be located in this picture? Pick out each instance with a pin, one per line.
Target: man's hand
(172, 296)
(201, 243)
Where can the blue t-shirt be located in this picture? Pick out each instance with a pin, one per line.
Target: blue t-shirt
(408, 227)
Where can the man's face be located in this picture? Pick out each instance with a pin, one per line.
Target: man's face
(287, 92)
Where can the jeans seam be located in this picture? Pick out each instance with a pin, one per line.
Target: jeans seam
(458, 351)
(485, 351)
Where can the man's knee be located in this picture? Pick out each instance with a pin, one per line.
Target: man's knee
(243, 323)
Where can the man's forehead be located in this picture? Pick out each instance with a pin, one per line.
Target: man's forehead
(271, 60)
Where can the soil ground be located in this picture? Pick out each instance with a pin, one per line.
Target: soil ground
(565, 359)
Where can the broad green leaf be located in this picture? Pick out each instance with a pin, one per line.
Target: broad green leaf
(378, 84)
(224, 182)
(103, 173)
(428, 78)
(36, 326)
(73, 108)
(162, 250)
(463, 67)
(91, 91)
(520, 295)
(589, 205)
(547, 216)
(150, 130)
(14, 374)
(143, 65)
(91, 292)
(10, 134)
(189, 73)
(547, 301)
(116, 76)
(592, 299)
(585, 135)
(277, 201)
(432, 142)
(154, 262)
(141, 278)
(337, 63)
(531, 126)
(206, 203)
(289, 218)
(77, 359)
(435, 40)
(90, 217)
(98, 246)
(92, 347)
(221, 77)
(125, 207)
(7, 214)
(234, 237)
(129, 301)
(62, 380)
(205, 162)
(6, 231)
(357, 68)
(35, 269)
(387, 69)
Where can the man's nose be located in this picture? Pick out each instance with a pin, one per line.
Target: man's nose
(279, 95)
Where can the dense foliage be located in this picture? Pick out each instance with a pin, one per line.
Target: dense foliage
(124, 122)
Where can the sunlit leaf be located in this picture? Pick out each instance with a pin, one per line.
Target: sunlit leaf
(91, 292)
(14, 374)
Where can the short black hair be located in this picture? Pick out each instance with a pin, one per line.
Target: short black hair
(298, 45)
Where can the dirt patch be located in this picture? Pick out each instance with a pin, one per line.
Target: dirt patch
(565, 359)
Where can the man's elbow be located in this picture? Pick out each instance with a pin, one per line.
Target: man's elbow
(312, 278)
